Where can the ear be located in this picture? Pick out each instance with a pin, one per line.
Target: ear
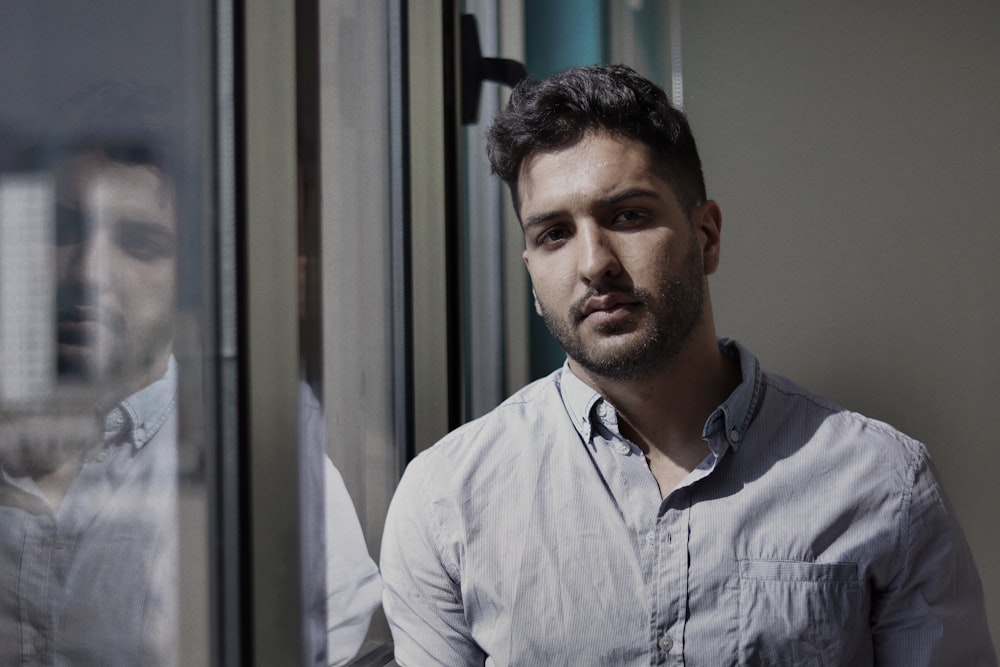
(707, 221)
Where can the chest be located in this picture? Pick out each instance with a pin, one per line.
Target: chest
(724, 571)
(97, 583)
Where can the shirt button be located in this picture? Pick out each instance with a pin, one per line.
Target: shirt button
(602, 410)
(665, 643)
(734, 435)
(140, 434)
(623, 448)
(40, 645)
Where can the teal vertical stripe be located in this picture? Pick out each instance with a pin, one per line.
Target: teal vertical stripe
(563, 33)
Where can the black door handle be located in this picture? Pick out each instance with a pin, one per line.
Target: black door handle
(476, 69)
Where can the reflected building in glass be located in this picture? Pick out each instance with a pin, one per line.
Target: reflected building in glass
(27, 356)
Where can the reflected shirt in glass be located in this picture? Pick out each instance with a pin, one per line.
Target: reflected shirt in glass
(95, 582)
(350, 578)
(537, 535)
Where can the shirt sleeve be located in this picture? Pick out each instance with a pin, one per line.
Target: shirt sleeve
(933, 611)
(353, 583)
(422, 596)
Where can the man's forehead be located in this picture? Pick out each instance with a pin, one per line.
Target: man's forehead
(605, 166)
(80, 170)
(95, 182)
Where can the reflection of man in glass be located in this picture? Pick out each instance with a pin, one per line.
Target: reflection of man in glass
(117, 261)
(89, 478)
(88, 524)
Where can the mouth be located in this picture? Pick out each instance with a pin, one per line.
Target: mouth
(607, 308)
(79, 334)
(84, 327)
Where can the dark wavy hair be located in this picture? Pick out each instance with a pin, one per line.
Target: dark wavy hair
(557, 112)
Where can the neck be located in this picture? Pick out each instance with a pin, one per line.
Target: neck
(54, 485)
(152, 372)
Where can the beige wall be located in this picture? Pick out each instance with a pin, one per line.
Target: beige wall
(855, 151)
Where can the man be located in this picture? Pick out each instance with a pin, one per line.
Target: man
(89, 527)
(661, 499)
(88, 522)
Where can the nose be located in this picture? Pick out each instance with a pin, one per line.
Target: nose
(598, 259)
(86, 262)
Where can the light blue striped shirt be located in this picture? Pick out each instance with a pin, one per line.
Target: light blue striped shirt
(810, 535)
(95, 581)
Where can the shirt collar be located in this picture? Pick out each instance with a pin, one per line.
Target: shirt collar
(734, 414)
(137, 418)
(737, 411)
(140, 416)
(579, 398)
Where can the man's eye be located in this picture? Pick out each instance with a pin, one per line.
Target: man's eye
(145, 242)
(631, 216)
(553, 235)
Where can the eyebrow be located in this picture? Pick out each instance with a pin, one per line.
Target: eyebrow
(160, 230)
(535, 220)
(136, 221)
(631, 193)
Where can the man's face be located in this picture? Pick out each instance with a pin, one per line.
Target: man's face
(618, 269)
(116, 235)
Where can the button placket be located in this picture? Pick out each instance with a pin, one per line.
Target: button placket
(673, 581)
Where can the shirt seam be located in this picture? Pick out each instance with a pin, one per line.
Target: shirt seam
(905, 529)
(436, 533)
(904, 441)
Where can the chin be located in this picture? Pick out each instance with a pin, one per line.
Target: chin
(89, 365)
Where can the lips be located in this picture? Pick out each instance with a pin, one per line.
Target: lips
(83, 326)
(599, 303)
(606, 307)
(77, 326)
(81, 334)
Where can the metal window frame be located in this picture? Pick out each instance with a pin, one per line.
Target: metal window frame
(268, 276)
(262, 472)
(430, 70)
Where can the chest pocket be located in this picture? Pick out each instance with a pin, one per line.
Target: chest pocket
(800, 613)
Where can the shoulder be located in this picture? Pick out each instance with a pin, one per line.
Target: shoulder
(493, 453)
(790, 407)
(473, 476)
(501, 432)
(830, 464)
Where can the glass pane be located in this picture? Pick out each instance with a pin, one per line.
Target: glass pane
(362, 373)
(105, 302)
